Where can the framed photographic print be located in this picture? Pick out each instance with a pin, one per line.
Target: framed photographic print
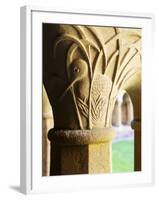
(86, 100)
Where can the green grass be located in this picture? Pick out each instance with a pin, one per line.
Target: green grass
(123, 156)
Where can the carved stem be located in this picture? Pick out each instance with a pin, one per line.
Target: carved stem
(112, 88)
(125, 74)
(100, 44)
(128, 77)
(123, 67)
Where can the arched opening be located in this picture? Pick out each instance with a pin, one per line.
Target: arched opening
(123, 143)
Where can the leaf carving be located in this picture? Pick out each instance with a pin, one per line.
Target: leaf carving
(83, 107)
(100, 92)
(97, 108)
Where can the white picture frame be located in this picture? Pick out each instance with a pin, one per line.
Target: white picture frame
(31, 100)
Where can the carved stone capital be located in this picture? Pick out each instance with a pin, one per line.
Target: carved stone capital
(84, 69)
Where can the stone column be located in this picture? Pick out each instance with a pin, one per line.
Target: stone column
(84, 69)
(136, 125)
(47, 125)
(117, 114)
(127, 110)
(135, 96)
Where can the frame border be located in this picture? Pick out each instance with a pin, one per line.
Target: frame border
(26, 185)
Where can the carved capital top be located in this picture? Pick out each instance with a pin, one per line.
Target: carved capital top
(84, 68)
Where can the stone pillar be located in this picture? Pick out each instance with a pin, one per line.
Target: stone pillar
(127, 110)
(47, 124)
(84, 69)
(117, 114)
(81, 151)
(135, 96)
(136, 125)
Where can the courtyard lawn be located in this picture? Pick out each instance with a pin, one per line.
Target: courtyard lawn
(123, 156)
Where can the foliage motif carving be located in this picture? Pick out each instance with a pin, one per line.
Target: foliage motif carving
(96, 72)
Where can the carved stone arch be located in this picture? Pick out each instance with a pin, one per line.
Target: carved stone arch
(133, 88)
(123, 110)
